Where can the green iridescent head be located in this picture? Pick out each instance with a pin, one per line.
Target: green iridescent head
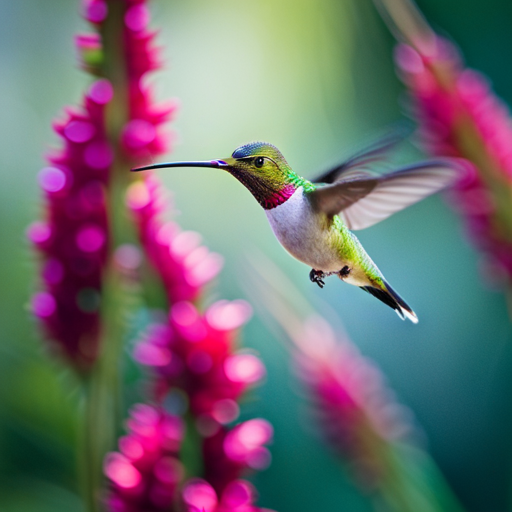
(259, 166)
(262, 168)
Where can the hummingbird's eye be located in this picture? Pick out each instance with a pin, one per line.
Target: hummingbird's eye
(258, 162)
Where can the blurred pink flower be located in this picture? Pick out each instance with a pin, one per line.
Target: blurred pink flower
(146, 472)
(227, 454)
(183, 265)
(82, 241)
(193, 352)
(197, 353)
(459, 115)
(239, 496)
(357, 413)
(143, 136)
(73, 238)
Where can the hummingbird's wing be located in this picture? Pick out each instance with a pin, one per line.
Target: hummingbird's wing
(374, 152)
(362, 202)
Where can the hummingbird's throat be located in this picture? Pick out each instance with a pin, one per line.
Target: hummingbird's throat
(277, 198)
(268, 194)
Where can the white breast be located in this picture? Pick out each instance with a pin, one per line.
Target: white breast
(303, 234)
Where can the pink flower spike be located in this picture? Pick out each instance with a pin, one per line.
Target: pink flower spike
(459, 115)
(73, 238)
(170, 251)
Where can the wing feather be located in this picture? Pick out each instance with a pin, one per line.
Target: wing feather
(364, 202)
(372, 153)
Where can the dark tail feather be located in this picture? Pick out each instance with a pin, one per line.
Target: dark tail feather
(393, 300)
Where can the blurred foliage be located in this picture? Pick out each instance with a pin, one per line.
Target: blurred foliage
(316, 79)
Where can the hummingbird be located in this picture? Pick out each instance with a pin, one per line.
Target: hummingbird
(313, 220)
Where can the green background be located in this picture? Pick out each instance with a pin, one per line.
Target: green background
(315, 78)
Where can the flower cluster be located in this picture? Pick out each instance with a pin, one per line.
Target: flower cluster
(183, 265)
(82, 243)
(142, 136)
(194, 355)
(146, 472)
(460, 116)
(357, 413)
(74, 236)
(228, 454)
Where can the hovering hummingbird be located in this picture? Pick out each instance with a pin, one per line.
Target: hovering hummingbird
(313, 219)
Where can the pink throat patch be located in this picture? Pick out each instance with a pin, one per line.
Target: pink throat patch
(278, 198)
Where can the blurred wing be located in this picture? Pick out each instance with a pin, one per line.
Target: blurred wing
(364, 202)
(373, 153)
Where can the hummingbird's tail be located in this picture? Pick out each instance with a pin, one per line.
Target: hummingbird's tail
(387, 295)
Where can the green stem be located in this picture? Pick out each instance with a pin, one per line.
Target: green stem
(87, 459)
(103, 401)
(413, 482)
(102, 415)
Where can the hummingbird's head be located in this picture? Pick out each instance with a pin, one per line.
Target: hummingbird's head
(259, 166)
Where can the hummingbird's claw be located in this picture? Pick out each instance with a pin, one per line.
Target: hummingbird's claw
(344, 272)
(316, 276)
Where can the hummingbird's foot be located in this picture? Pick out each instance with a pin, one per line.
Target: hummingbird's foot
(316, 276)
(344, 272)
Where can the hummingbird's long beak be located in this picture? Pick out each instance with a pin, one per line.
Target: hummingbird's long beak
(201, 163)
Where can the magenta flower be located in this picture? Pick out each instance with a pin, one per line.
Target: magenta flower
(183, 265)
(357, 413)
(459, 115)
(82, 237)
(228, 454)
(142, 136)
(197, 354)
(354, 411)
(146, 472)
(87, 264)
(74, 236)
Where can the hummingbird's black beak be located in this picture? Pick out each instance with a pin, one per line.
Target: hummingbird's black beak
(204, 163)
